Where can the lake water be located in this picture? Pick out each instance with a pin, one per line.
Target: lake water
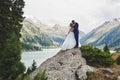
(38, 56)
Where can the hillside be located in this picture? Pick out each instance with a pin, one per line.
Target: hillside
(106, 33)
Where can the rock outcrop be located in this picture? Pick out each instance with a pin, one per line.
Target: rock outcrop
(65, 65)
(118, 78)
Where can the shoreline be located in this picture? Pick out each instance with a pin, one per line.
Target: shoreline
(40, 50)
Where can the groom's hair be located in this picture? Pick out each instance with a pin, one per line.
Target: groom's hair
(73, 21)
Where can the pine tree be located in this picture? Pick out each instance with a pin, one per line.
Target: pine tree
(11, 12)
(106, 48)
(32, 68)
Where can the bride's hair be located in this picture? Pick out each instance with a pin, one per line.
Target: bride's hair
(71, 24)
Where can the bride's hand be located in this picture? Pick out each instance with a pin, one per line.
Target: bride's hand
(66, 34)
(72, 29)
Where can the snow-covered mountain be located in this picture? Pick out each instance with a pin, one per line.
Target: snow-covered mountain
(109, 32)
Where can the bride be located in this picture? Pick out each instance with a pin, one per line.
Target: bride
(69, 42)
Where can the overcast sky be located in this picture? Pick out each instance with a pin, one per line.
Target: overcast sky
(88, 13)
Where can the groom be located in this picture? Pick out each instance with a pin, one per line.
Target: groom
(76, 33)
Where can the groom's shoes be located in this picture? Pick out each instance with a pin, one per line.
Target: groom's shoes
(75, 47)
(67, 49)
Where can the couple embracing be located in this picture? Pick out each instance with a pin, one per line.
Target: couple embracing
(72, 39)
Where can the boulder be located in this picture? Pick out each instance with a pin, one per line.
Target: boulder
(118, 78)
(81, 72)
(65, 65)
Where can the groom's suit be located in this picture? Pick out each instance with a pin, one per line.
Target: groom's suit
(76, 34)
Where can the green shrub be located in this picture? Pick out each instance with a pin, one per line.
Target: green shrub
(23, 77)
(118, 60)
(95, 56)
(41, 76)
(0, 78)
(89, 74)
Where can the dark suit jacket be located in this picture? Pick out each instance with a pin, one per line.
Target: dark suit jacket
(76, 28)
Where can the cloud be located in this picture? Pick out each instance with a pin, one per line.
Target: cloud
(89, 13)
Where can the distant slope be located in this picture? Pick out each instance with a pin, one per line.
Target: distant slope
(34, 33)
(109, 33)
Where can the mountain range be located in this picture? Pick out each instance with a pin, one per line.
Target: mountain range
(37, 35)
(109, 33)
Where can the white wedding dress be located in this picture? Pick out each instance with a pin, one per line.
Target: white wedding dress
(69, 42)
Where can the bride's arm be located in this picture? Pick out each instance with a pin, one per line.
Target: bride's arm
(71, 30)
